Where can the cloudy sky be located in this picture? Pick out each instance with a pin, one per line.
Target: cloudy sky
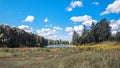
(57, 19)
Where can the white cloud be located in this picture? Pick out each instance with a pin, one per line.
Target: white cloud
(80, 18)
(74, 4)
(78, 28)
(114, 32)
(86, 20)
(115, 26)
(95, 3)
(69, 29)
(26, 28)
(29, 19)
(50, 34)
(76, 19)
(105, 12)
(57, 28)
(46, 32)
(112, 8)
(69, 9)
(46, 20)
(118, 22)
(70, 34)
(89, 22)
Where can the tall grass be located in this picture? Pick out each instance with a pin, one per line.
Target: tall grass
(103, 55)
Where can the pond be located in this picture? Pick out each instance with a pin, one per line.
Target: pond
(59, 46)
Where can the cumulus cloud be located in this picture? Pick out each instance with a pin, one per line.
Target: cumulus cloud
(69, 9)
(46, 20)
(95, 3)
(46, 32)
(80, 18)
(49, 33)
(70, 34)
(78, 29)
(86, 20)
(26, 28)
(114, 32)
(89, 22)
(69, 29)
(74, 4)
(115, 26)
(57, 28)
(29, 19)
(112, 8)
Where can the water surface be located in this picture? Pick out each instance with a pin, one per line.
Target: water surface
(58, 46)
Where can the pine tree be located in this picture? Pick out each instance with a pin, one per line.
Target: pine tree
(75, 38)
(101, 31)
(117, 37)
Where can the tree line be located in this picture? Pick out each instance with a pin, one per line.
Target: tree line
(14, 37)
(97, 33)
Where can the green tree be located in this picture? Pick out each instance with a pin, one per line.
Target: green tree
(117, 37)
(101, 31)
(75, 38)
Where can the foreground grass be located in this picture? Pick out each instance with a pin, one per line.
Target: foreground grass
(103, 55)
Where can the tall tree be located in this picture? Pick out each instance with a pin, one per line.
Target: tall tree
(75, 38)
(117, 37)
(101, 31)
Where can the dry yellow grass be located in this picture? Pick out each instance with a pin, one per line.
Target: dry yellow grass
(104, 46)
(102, 55)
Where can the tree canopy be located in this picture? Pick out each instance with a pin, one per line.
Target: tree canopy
(14, 37)
(97, 33)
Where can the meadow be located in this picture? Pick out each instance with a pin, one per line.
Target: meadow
(102, 55)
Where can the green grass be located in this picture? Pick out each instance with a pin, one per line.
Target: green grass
(60, 58)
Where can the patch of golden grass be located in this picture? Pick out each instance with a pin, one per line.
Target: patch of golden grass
(104, 46)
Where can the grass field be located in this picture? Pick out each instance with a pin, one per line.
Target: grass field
(102, 55)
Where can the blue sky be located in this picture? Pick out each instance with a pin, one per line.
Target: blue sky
(56, 19)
